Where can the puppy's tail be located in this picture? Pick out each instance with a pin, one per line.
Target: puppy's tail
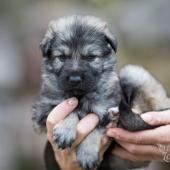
(140, 91)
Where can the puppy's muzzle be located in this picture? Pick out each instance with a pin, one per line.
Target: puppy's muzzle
(71, 80)
(77, 80)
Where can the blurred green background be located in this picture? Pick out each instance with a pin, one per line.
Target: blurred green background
(141, 27)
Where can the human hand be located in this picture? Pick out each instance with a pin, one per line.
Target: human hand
(144, 145)
(66, 158)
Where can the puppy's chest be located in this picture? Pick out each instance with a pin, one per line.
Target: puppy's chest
(97, 104)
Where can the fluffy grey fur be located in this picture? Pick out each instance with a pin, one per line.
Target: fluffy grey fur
(79, 60)
(141, 93)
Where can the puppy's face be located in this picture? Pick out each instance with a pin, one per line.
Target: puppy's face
(77, 52)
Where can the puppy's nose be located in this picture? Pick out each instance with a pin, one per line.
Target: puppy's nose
(75, 79)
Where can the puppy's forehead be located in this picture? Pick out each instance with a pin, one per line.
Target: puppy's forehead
(77, 32)
(67, 23)
(92, 49)
(77, 28)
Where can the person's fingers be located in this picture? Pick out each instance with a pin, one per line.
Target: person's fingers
(157, 118)
(140, 149)
(154, 136)
(121, 152)
(105, 140)
(105, 143)
(85, 126)
(59, 113)
(62, 110)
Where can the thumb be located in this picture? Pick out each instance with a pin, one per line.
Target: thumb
(157, 118)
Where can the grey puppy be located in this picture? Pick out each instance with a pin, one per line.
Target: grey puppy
(79, 60)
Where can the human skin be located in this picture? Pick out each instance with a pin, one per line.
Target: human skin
(151, 144)
(67, 158)
(135, 146)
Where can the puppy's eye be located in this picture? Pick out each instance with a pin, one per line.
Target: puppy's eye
(90, 57)
(62, 57)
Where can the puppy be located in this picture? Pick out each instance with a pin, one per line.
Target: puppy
(78, 60)
(141, 92)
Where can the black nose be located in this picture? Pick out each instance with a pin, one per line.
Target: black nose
(75, 79)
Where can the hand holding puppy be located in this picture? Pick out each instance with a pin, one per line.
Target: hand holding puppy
(151, 144)
(66, 158)
(136, 146)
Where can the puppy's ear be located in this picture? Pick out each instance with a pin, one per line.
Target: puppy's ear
(110, 38)
(46, 42)
(45, 48)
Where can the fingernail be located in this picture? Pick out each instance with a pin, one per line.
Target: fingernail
(146, 117)
(72, 101)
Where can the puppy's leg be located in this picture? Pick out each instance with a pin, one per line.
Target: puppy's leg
(129, 120)
(40, 113)
(64, 133)
(88, 151)
(143, 92)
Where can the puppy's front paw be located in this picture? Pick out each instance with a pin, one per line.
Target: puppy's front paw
(88, 158)
(64, 135)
